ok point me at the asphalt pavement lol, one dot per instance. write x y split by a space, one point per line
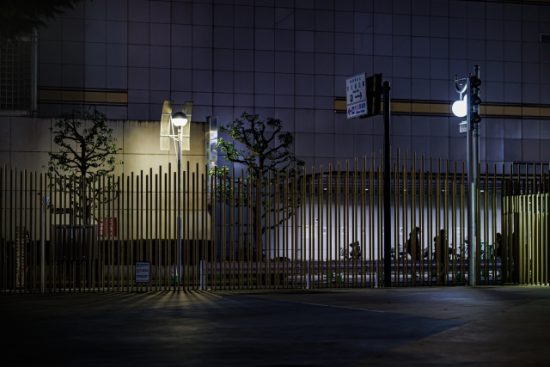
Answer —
432 326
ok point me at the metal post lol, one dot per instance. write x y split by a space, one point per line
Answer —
473 164
44 202
387 186
179 224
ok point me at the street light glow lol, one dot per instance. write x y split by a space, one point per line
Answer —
179 119
460 107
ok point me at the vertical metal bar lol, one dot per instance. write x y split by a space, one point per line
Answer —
20 231
355 238
250 238
217 206
203 242
381 229
483 226
407 219
224 193
157 233
430 234
43 208
210 214
3 229
267 225
546 237
132 230
320 258
400 220
423 245
186 232
231 230
120 233
445 239
330 231
311 243
387 185
537 231
402 166
289 211
439 239
179 274
143 201
304 243
494 225
337 248
277 224
149 226
345 245
372 202
453 225
168 193
33 205
417 247
521 236
257 231
211 260
363 223
196 223
295 220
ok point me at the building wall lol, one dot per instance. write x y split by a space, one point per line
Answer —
26 141
290 59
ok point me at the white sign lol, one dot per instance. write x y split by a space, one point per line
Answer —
356 96
143 272
463 127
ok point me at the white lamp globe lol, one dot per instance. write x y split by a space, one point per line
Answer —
460 107
179 119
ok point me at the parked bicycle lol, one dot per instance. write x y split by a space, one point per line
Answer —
353 253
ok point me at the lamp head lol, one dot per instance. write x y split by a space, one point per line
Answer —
460 107
179 119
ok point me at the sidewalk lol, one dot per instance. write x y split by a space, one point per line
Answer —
489 326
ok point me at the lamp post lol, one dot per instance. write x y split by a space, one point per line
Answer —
179 120
468 106
175 127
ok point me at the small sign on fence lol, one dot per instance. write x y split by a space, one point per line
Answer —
143 272
107 227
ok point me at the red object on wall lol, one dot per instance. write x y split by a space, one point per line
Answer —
108 227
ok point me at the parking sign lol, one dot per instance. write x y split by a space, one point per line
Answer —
356 99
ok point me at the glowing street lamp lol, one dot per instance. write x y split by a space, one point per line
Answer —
460 107
179 119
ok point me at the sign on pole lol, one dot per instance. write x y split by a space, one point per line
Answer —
363 95
356 96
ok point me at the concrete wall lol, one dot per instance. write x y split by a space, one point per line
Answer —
25 143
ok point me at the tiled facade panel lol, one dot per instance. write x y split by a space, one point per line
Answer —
290 59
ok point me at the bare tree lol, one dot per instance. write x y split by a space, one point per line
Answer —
85 155
264 151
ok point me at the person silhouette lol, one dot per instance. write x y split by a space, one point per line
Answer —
498 245
413 244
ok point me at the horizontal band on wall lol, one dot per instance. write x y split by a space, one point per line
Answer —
443 108
80 96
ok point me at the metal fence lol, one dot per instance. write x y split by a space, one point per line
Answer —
311 228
